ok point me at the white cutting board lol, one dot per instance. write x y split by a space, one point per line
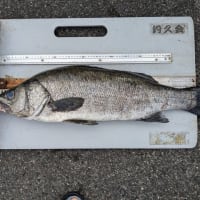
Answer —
124 35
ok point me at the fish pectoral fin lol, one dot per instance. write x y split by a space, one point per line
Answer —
84 122
157 117
67 104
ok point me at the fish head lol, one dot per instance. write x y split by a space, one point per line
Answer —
26 100
13 101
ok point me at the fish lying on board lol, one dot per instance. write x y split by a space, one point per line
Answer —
83 94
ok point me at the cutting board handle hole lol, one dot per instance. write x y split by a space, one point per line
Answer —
80 31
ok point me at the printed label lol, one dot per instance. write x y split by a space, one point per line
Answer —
173 28
168 138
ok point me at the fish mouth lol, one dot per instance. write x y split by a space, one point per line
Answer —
4 107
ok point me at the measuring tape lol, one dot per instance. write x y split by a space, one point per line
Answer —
86 59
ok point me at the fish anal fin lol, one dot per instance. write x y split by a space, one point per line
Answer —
67 104
157 117
84 122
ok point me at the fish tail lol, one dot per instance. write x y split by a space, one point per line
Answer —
196 110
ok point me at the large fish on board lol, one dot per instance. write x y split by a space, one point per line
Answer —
86 95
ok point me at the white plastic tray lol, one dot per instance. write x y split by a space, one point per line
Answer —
125 35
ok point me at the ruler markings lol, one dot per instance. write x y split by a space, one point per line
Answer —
86 58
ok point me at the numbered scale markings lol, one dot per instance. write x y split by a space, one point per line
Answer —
86 58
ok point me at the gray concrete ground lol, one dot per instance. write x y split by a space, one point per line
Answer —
101 174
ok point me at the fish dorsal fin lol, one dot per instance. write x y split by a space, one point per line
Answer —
141 75
146 76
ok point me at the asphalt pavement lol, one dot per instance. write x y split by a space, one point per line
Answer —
101 174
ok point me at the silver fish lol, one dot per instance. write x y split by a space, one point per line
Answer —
86 95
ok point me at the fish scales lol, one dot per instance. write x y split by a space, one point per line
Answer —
99 95
113 95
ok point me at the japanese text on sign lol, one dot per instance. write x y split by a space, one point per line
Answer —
169 28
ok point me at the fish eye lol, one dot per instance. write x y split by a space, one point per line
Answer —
10 94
